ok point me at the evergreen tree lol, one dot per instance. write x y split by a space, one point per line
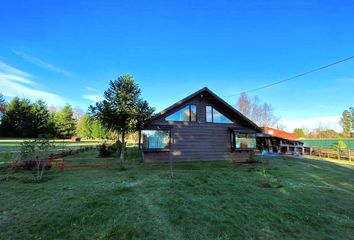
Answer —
17 119
40 116
51 124
64 122
2 106
122 110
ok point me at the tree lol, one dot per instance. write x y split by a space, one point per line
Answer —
346 123
40 116
77 113
2 106
83 127
260 113
17 119
340 147
300 132
98 130
351 117
122 109
64 122
37 150
51 124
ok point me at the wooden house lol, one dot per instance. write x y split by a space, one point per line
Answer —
200 127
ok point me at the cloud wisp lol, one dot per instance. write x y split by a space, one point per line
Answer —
90 89
15 82
93 98
40 63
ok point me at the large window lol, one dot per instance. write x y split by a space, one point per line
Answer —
186 114
155 139
213 115
241 141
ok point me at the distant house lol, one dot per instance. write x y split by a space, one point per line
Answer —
200 127
278 141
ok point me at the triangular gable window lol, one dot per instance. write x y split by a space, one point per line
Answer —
186 114
213 115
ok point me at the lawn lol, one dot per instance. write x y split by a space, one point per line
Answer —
282 198
9 147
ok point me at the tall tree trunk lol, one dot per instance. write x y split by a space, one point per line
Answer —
122 149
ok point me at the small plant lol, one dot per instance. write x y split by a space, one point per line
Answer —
340 147
33 154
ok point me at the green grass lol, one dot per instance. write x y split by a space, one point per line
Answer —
282 198
9 148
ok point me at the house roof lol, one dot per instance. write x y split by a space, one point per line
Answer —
215 97
280 134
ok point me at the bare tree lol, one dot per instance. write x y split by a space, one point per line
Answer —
260 113
77 113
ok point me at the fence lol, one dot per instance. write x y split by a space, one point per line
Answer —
327 143
330 153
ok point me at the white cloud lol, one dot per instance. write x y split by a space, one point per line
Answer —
41 63
93 98
16 78
11 70
14 82
331 122
90 89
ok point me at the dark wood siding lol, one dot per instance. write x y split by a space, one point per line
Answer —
191 141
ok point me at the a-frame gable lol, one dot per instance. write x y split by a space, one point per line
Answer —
214 100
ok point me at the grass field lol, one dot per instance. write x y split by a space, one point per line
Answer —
10 147
282 198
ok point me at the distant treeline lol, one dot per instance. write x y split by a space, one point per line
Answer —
346 122
23 118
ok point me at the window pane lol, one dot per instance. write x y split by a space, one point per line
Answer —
245 141
181 115
220 118
209 114
193 113
155 138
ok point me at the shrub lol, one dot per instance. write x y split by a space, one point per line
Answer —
340 147
33 154
104 151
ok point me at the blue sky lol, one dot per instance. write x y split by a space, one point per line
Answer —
67 51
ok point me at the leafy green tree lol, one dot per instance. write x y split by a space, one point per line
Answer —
83 127
340 147
122 110
346 123
64 122
300 132
40 116
98 130
17 119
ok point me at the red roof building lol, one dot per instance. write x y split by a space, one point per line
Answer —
280 133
